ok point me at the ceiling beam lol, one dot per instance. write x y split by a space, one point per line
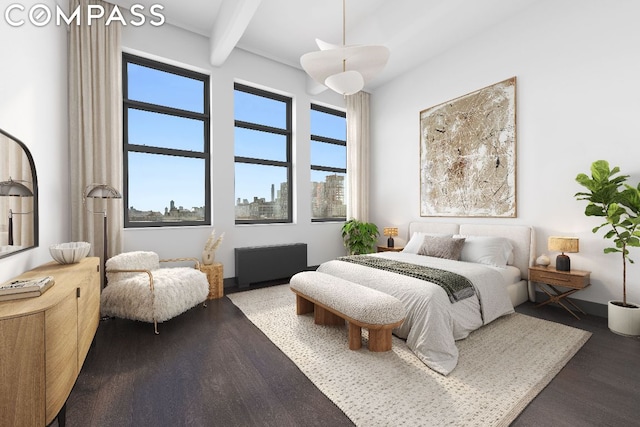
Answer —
232 20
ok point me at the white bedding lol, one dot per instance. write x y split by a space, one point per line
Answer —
433 323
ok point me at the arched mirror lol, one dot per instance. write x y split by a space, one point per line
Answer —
18 197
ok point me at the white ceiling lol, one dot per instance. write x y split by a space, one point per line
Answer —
283 30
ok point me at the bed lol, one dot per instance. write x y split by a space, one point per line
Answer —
435 319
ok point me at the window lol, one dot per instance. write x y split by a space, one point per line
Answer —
166 144
262 156
328 164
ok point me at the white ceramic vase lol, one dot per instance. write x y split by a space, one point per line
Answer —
624 320
543 260
208 257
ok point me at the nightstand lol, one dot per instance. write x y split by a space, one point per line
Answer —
547 278
388 249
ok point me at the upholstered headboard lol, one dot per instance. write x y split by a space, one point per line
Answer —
522 238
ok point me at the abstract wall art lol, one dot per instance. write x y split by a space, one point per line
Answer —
468 154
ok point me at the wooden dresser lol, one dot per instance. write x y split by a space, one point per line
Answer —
44 342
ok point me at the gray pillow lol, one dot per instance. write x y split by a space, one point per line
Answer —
442 247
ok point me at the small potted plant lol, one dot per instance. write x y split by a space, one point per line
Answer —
359 237
611 198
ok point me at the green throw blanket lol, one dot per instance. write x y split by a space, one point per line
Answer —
457 287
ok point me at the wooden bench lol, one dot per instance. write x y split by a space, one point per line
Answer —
334 300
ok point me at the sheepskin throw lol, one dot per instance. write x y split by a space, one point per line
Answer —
128 295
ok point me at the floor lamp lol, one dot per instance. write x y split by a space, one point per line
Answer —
101 191
15 189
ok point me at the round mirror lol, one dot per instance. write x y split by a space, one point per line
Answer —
18 197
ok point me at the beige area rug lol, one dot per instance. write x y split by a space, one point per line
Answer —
501 368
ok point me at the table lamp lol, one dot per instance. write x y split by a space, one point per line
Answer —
391 232
563 244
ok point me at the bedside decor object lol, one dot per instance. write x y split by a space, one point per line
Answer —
69 253
391 232
209 252
359 237
543 260
563 244
618 204
101 191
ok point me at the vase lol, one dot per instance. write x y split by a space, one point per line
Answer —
543 260
208 257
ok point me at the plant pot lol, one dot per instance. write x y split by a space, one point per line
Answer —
624 320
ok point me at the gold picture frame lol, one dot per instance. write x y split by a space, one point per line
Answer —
468 154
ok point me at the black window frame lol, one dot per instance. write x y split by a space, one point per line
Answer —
327 140
287 133
205 117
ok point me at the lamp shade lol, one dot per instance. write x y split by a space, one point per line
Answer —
14 188
563 244
102 191
390 231
326 66
346 83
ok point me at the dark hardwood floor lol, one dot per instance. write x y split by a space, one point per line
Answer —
212 367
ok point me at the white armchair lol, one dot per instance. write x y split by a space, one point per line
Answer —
139 289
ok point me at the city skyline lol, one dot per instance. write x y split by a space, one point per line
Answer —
148 171
175 211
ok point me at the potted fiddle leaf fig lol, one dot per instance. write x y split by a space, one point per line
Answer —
359 237
618 203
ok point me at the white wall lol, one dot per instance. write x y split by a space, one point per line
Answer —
173 45
577 71
577 93
33 108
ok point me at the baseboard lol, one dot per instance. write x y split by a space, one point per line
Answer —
592 308
230 284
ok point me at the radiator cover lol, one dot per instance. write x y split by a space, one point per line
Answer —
262 263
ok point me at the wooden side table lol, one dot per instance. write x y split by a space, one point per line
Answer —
547 278
388 249
215 278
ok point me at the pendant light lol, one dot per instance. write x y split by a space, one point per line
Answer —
344 69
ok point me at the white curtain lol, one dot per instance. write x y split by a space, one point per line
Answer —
95 126
358 156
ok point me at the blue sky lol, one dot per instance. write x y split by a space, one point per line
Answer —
154 180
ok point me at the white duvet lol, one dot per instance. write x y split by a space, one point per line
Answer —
433 323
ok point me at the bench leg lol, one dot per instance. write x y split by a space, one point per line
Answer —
325 317
355 337
379 339
303 306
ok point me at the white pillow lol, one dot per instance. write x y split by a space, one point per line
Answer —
417 239
495 251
